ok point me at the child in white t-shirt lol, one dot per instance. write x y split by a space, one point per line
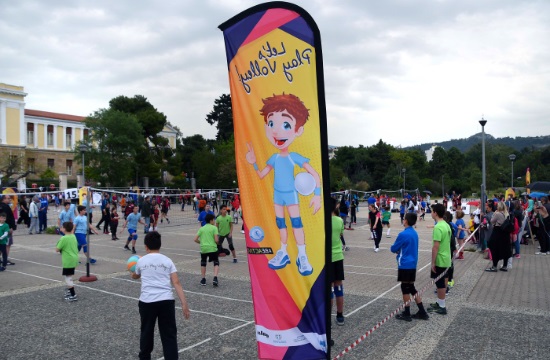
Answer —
158 274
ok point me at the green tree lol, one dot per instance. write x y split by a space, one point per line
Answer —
222 117
151 153
116 138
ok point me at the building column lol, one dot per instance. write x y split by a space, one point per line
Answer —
23 129
64 138
3 122
73 137
34 135
54 136
45 136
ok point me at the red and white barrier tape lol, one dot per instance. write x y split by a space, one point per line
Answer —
401 307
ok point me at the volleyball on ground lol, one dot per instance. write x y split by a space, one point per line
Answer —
131 263
304 183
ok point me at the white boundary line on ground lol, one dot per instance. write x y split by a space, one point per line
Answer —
370 267
360 273
236 328
128 297
190 347
192 292
383 294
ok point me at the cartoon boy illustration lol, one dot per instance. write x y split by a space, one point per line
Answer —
285 116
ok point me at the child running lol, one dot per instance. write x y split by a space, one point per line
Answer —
132 222
68 247
406 248
207 237
224 224
158 275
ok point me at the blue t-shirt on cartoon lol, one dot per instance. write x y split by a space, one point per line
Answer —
283 167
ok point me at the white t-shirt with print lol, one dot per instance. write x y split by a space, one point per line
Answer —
155 270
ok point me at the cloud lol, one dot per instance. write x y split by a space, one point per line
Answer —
403 71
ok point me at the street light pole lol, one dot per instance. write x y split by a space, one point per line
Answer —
87 278
512 158
482 122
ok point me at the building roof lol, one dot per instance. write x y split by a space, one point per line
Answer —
51 115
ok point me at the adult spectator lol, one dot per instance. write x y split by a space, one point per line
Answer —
43 213
33 215
146 211
543 230
499 242
24 212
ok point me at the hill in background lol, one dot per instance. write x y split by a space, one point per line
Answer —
517 143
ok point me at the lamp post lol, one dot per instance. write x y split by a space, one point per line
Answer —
86 278
482 122
404 178
512 158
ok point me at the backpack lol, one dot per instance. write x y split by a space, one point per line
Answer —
508 225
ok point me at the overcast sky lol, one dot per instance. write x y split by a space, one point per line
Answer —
407 72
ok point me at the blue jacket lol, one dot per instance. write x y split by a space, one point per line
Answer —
406 248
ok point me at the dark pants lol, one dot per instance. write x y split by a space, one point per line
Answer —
114 226
377 236
4 255
165 312
542 236
42 220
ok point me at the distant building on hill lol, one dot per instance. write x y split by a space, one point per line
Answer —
430 152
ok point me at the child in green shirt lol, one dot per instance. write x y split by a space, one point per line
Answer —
4 233
68 247
207 237
386 216
225 231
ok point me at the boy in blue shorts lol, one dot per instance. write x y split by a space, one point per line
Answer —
284 117
132 221
81 227
406 248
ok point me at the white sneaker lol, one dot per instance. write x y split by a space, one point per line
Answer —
280 260
242 231
376 249
304 267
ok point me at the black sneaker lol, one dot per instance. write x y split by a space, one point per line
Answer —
435 308
215 281
134 251
71 298
10 263
491 269
503 269
403 316
126 247
420 316
168 221
203 282
340 320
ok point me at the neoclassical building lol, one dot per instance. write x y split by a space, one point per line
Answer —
38 140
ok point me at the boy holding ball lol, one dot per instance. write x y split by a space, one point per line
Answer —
68 247
158 274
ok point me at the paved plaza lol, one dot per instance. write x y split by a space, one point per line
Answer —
490 315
